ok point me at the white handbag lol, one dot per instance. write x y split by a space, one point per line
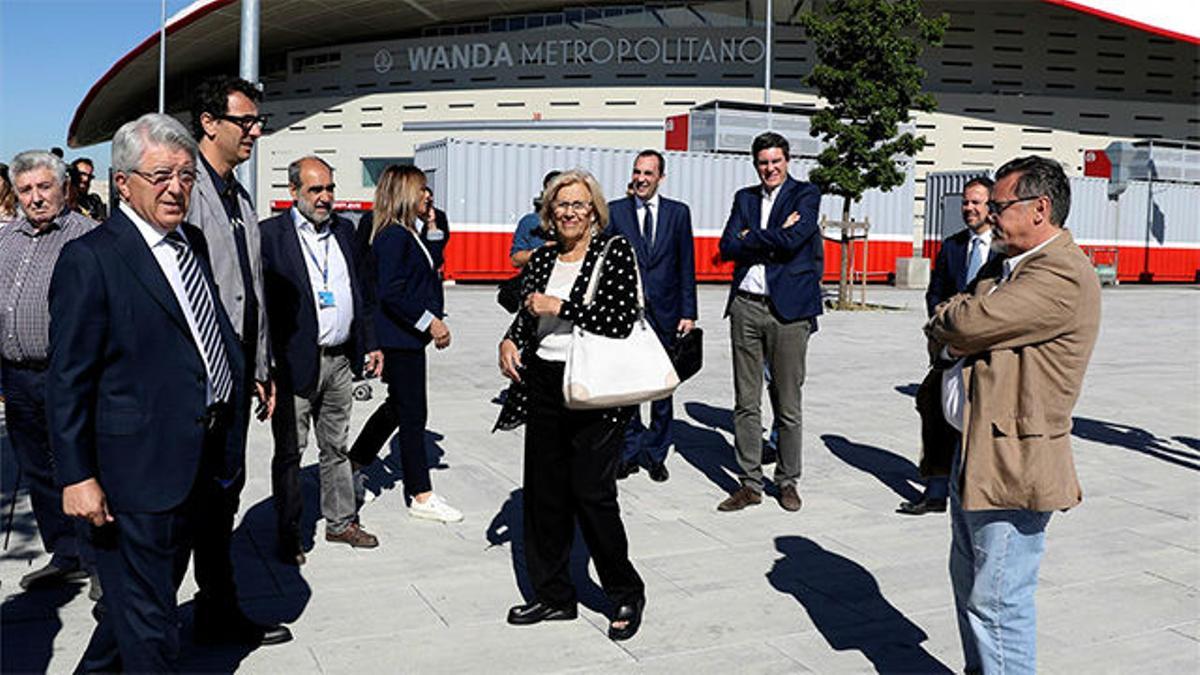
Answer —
604 372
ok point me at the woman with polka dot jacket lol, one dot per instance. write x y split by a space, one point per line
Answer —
571 456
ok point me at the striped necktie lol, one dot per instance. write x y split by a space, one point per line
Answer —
205 316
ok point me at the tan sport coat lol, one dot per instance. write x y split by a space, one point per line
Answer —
1029 341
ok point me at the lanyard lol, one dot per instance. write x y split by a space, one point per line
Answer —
313 256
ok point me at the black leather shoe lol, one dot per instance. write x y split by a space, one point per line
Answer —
659 473
237 629
625 470
53 574
537 612
632 615
922 506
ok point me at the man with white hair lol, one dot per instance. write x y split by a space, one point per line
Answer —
144 373
29 248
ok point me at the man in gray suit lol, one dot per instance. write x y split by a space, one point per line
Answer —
226 123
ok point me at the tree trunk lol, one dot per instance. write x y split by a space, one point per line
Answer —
843 301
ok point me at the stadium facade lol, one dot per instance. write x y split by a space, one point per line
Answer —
364 83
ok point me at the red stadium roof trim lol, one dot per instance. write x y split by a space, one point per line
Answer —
187 16
1132 23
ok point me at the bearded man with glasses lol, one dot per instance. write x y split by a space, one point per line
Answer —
226 124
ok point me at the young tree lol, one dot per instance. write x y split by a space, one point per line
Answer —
867 72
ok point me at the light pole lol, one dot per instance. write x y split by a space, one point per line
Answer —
247 172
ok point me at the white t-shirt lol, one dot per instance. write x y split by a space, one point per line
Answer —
554 334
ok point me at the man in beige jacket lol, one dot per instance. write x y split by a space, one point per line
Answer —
1019 339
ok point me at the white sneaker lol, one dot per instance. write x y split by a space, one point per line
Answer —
435 509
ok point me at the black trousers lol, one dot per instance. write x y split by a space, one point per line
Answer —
141 559
217 594
24 387
406 409
571 474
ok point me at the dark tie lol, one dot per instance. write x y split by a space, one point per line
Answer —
648 226
206 317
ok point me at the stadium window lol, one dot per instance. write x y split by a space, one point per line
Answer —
1093 115
365 85
461 106
979 110
331 126
331 111
1007 66
1006 83
510 104
371 125
679 103
625 102
310 63
297 127
484 78
1060 69
1008 48
372 167
1158 57
1060 34
1036 130
414 106
978 146
1110 71
957 64
1009 31
331 87
1059 85
957 46
1062 52
442 80
1038 113
526 78
681 76
1148 118
631 76
1111 38
372 108
577 76
1159 92
1110 55
1110 90
978 128
1037 148
1093 132
563 104
1159 76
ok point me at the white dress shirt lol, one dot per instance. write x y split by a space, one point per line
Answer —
953 387
755 280
168 262
640 208
327 271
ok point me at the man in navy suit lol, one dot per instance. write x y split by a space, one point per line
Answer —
660 230
144 372
962 256
775 243
320 325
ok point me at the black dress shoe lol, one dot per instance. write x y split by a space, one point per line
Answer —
632 616
536 612
236 628
625 470
922 506
659 473
53 574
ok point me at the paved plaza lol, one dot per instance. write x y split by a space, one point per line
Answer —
845 585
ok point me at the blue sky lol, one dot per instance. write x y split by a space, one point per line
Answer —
51 53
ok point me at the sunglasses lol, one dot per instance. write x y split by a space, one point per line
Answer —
996 208
245 122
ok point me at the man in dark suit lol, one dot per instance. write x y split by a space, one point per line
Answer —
320 325
962 256
144 368
660 230
776 245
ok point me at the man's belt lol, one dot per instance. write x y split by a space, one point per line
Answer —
336 350
755 297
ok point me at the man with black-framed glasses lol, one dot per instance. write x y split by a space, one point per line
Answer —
226 124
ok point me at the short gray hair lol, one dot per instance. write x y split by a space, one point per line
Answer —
1041 177
37 159
131 140
294 168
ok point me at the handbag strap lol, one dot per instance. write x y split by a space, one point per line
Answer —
594 282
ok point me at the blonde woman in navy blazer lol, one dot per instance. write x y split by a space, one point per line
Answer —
408 316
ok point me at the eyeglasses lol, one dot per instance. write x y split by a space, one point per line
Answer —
577 207
245 122
161 177
996 208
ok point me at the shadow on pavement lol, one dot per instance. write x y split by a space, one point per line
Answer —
383 474
1138 440
29 622
507 527
845 604
894 471
706 450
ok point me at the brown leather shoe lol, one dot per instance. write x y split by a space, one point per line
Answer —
739 500
353 535
789 499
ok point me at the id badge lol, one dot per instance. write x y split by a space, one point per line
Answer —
325 298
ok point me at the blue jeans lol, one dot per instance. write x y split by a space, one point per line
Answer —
994 559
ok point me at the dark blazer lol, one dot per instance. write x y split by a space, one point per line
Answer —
290 310
437 249
668 267
612 312
949 276
406 287
126 386
794 257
